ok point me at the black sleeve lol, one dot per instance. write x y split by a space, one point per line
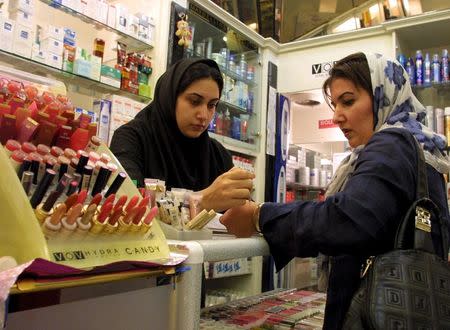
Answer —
126 145
361 219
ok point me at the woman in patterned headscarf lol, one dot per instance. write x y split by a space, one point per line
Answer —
372 189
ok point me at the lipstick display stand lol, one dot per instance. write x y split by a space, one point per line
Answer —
23 239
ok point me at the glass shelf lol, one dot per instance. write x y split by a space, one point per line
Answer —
132 43
235 145
438 86
42 69
235 109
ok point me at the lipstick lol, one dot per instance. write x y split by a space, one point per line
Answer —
120 203
110 199
115 186
126 220
86 178
16 159
73 186
136 224
27 181
63 165
28 147
56 151
114 217
82 161
93 144
84 222
70 153
52 224
69 222
101 180
131 204
25 166
70 201
96 199
146 224
42 149
98 221
45 209
81 197
36 160
11 145
42 188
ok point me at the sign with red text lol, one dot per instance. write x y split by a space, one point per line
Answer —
326 123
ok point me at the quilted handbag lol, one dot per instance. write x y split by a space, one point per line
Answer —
408 287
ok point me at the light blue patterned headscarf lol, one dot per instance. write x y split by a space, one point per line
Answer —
394 105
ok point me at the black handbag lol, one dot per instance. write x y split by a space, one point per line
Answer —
408 287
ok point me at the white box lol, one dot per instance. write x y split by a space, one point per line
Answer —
23 40
103 109
96 66
110 81
102 12
38 55
133 25
23 5
54 60
23 17
6 34
122 19
50 31
52 45
112 12
91 8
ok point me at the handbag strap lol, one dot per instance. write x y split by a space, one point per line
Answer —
417 221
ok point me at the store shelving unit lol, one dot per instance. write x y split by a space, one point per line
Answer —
133 43
69 78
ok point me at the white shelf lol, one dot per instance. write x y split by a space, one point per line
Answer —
235 145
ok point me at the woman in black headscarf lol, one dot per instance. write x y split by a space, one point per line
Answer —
168 140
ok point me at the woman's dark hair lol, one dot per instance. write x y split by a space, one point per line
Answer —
199 71
353 67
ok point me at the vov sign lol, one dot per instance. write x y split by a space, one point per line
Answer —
322 69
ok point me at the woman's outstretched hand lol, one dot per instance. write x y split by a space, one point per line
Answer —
239 220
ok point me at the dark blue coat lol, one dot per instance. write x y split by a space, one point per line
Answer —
358 222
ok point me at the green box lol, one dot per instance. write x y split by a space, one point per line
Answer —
145 90
111 72
143 78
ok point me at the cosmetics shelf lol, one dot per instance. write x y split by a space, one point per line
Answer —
234 109
236 145
297 186
133 44
77 81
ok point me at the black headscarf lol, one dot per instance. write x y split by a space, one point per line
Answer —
152 146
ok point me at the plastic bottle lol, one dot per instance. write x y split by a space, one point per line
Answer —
427 70
436 69
226 123
419 68
411 71
430 117
444 66
402 60
243 66
219 122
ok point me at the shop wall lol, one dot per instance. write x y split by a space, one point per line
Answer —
306 69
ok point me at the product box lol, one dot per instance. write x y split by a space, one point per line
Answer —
26 6
102 12
91 8
133 26
23 40
103 109
51 31
38 55
112 13
52 45
6 34
96 64
110 76
122 20
68 58
144 90
23 17
54 60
